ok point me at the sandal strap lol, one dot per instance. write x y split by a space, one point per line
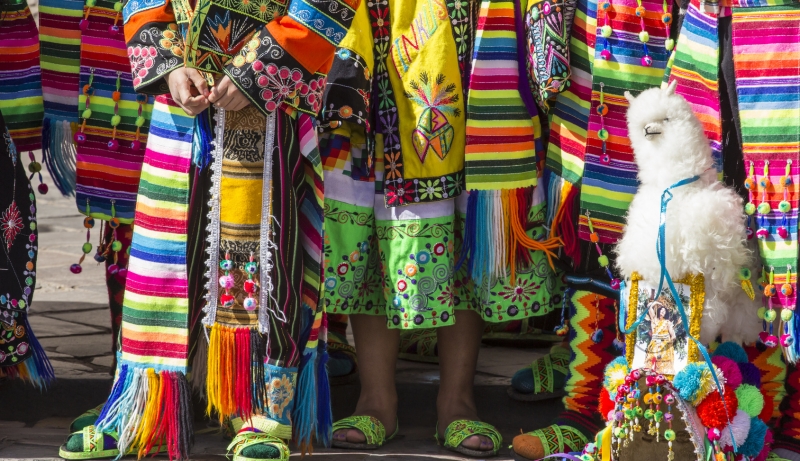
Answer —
558 439
370 426
246 439
94 440
459 430
543 368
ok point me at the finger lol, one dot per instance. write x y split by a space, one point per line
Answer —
242 102
218 91
197 104
184 95
198 81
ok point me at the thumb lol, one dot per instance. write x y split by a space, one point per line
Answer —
198 81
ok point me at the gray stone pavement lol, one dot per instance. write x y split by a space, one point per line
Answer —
71 318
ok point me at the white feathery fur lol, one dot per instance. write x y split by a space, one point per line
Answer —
705 223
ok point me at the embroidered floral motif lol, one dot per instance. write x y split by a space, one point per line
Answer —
142 60
280 391
11 224
171 40
270 76
433 134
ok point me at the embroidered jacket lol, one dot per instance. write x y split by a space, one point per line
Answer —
276 51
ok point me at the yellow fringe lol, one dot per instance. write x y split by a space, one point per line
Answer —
221 369
149 421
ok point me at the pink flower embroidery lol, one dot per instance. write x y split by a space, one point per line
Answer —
11 223
142 60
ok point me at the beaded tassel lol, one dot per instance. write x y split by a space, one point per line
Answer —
88 91
785 207
114 28
594 238
88 223
36 168
750 207
763 208
115 245
644 36
669 434
142 100
767 312
666 18
602 133
787 340
250 286
226 281
113 144
84 24
606 30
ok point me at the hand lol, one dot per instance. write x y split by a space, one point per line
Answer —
227 96
189 89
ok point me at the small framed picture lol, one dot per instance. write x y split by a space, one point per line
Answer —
661 343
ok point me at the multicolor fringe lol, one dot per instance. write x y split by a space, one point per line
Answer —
109 161
60 38
766 54
36 369
150 401
609 180
20 76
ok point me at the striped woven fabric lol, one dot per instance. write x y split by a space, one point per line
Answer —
773 373
570 115
156 307
20 76
695 66
107 178
500 150
60 39
766 53
609 179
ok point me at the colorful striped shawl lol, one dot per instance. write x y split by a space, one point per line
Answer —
501 129
609 180
20 76
155 319
60 39
695 66
766 53
107 179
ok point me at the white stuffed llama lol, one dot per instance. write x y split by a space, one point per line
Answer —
705 231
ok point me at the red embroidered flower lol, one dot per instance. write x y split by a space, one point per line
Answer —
11 223
400 194
380 21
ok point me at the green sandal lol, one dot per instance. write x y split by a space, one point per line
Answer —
252 439
370 426
94 445
544 379
461 429
554 439
87 418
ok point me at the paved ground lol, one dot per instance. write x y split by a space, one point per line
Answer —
71 318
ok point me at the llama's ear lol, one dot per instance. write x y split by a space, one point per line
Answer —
628 96
671 87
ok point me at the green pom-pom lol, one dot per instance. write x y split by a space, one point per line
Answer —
764 208
115 120
669 435
760 312
118 7
535 14
35 167
784 206
140 121
669 44
749 208
786 315
87 113
605 31
644 37
603 134
751 401
745 274
91 3
87 247
116 245
770 315
603 260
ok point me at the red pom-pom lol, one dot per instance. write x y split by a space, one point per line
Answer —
769 404
606 404
712 410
